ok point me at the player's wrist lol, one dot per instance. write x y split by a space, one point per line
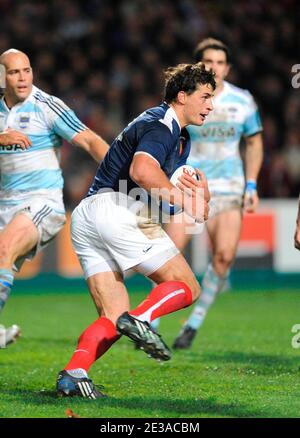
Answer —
251 185
177 197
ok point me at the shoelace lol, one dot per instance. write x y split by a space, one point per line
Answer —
151 329
96 386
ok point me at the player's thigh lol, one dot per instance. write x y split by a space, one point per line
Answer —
130 238
177 269
224 231
17 238
88 244
109 294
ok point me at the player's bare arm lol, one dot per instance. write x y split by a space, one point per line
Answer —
92 143
146 172
10 137
253 162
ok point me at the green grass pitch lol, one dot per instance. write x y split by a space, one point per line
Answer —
242 363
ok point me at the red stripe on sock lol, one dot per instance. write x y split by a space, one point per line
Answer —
173 303
95 341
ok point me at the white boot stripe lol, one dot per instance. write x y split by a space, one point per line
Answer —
88 389
86 393
81 389
140 327
84 389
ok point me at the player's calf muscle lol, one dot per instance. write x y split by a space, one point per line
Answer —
4 253
195 288
177 269
11 249
186 277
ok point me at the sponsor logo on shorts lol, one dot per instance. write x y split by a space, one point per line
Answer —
26 209
145 250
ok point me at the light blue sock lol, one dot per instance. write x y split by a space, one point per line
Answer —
6 282
155 323
211 286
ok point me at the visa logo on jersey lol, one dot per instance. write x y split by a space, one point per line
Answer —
218 132
11 148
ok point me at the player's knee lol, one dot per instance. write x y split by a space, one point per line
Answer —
222 261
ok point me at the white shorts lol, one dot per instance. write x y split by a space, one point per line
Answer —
109 234
221 203
217 204
48 215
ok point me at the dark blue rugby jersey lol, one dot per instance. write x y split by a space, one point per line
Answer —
155 132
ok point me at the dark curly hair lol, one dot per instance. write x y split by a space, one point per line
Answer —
186 77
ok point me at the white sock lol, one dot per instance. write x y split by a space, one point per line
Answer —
211 285
77 373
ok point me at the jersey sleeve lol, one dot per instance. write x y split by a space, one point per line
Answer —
157 141
62 120
252 124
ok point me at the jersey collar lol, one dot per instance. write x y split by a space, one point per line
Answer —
173 114
223 92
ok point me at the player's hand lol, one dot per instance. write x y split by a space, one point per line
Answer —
10 137
297 237
191 185
250 200
196 197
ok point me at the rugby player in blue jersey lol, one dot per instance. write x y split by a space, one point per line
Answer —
215 150
32 126
113 232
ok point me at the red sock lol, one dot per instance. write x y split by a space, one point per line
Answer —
165 298
93 343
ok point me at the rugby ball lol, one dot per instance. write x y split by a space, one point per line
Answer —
186 169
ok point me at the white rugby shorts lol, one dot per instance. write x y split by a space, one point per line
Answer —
221 203
47 213
109 233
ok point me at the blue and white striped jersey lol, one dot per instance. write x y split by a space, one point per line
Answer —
215 145
46 120
155 132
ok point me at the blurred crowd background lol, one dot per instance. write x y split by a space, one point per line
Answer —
105 59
